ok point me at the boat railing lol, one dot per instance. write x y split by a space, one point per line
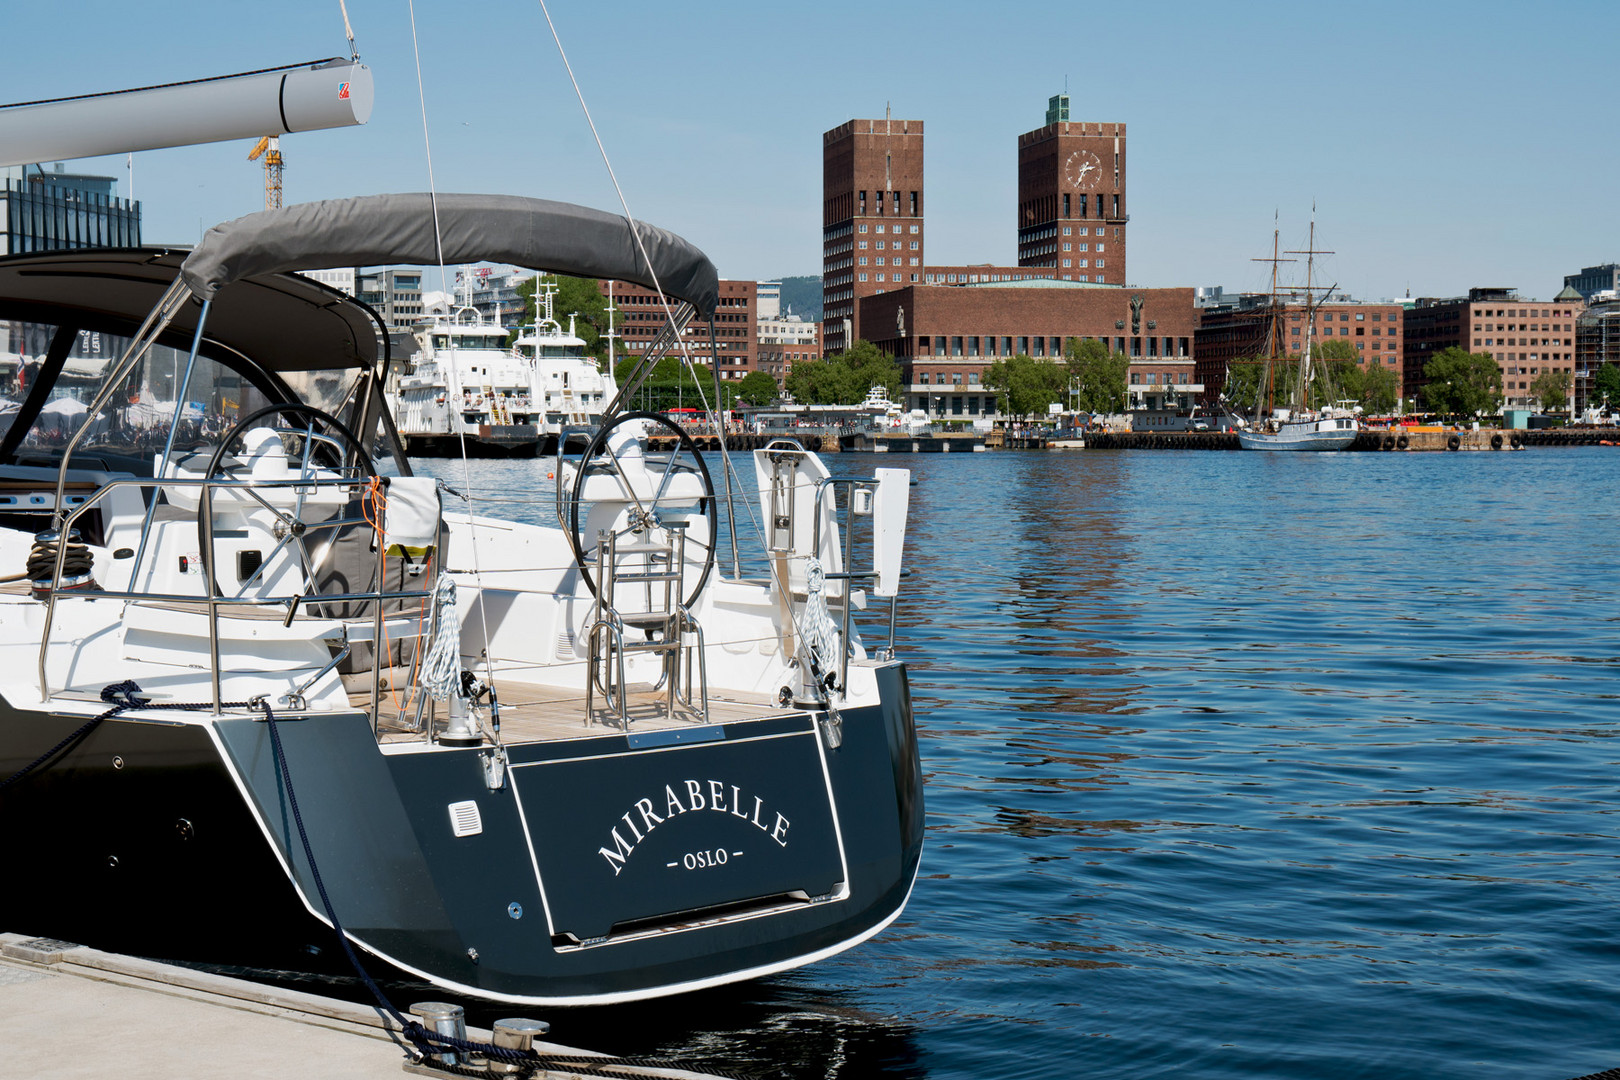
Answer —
858 493
218 605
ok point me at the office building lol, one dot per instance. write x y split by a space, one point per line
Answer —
1525 337
1238 330
1595 279
872 219
56 210
732 349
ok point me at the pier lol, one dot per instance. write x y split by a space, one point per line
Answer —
79 1012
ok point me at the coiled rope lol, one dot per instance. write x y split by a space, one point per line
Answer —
441 669
820 633
77 564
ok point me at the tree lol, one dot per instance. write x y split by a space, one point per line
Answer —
844 378
1461 383
670 385
1380 390
576 296
1026 386
1100 375
757 389
1552 388
1606 386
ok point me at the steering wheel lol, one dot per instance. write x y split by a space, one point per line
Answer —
323 442
645 514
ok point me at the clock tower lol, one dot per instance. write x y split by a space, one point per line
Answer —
1071 198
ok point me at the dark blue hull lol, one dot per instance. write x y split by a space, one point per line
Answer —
602 869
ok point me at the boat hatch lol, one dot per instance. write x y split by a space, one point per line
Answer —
658 836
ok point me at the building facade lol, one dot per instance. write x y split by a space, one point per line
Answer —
732 351
1595 279
1597 342
944 337
1072 211
784 340
395 294
1525 337
56 210
872 219
1239 331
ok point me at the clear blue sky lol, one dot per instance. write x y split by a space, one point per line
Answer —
1444 144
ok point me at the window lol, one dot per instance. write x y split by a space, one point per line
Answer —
862 276
1360 317
956 346
1068 262
1068 230
922 378
1023 346
1068 247
863 228
880 230
956 378
1099 264
862 261
972 350
973 378
1083 262
939 346
914 243
914 228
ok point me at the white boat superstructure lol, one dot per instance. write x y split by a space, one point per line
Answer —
568 387
465 385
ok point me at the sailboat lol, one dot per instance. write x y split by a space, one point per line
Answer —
1298 426
268 693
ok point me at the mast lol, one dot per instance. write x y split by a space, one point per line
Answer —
1312 305
1263 390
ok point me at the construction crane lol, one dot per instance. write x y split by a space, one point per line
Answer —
270 148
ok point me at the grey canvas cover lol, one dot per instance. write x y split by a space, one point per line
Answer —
380 230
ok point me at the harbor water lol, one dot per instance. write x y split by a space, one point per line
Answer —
1238 765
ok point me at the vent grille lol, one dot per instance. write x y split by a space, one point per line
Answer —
465 819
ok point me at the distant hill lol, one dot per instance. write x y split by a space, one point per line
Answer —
802 297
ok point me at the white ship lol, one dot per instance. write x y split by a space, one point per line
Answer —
569 388
465 388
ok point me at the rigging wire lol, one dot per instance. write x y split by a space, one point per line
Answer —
348 30
669 315
455 367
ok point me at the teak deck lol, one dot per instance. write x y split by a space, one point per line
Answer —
532 713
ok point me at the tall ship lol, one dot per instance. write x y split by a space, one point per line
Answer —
569 388
1297 426
269 693
465 392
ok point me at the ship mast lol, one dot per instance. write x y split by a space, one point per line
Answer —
1274 347
1303 384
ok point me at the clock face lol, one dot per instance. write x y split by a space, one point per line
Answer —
1083 170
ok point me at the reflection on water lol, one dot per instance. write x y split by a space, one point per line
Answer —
1238 765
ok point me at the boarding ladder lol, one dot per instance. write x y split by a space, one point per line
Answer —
639 588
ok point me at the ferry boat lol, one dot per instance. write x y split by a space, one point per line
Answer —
264 686
569 388
465 392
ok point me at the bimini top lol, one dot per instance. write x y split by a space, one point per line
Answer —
381 230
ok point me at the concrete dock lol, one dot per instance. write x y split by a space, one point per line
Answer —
77 1013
